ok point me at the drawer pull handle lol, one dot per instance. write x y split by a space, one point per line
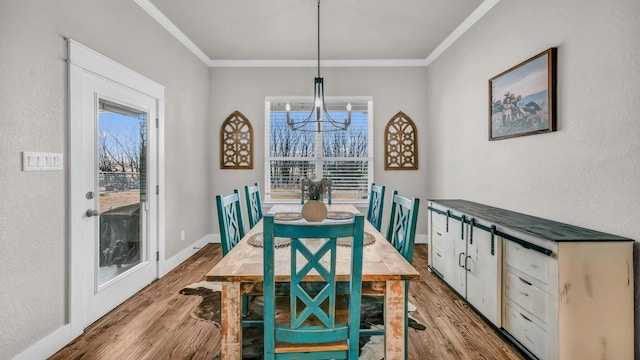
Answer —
460 260
439 234
526 318
531 341
524 293
439 255
524 281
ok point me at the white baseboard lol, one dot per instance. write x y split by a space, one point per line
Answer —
48 345
421 239
182 256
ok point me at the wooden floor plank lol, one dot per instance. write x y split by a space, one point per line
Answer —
156 323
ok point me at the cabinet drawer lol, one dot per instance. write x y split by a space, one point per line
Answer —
439 261
438 249
524 327
528 261
438 221
528 296
438 239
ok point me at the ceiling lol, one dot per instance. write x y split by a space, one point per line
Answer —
284 32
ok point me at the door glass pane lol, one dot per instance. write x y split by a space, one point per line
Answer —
121 169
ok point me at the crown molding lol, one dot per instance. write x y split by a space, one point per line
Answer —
465 25
164 21
468 22
323 63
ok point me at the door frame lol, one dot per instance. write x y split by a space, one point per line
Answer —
83 60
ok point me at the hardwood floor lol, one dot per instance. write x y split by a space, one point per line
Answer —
156 322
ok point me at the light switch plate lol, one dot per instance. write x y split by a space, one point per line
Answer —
39 161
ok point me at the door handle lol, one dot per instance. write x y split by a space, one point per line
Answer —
460 260
465 263
92 212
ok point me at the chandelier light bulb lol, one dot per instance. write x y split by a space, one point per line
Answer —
287 107
318 102
349 106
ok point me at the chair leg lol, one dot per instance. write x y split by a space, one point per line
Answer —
245 305
406 320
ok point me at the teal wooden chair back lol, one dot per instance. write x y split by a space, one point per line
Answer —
304 185
402 224
376 203
314 326
230 220
254 204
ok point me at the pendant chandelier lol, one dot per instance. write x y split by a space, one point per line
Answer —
319 116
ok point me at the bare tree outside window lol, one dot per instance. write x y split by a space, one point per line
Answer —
122 144
341 156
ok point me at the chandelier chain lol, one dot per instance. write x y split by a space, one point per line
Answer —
322 121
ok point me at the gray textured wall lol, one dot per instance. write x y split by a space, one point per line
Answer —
33 117
586 173
392 89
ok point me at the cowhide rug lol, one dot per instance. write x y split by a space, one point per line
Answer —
371 347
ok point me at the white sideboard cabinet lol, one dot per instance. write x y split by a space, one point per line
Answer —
556 290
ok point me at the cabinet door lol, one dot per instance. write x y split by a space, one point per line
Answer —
457 245
482 273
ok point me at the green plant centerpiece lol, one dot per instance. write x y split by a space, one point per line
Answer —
314 210
316 189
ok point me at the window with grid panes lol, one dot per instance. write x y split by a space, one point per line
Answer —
344 157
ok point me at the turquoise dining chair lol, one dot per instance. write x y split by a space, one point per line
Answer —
402 224
315 321
401 233
230 220
376 204
231 228
254 204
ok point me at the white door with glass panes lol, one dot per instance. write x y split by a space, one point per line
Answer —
114 175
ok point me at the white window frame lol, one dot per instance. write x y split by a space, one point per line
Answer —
318 157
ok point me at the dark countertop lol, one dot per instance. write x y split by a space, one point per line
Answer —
539 227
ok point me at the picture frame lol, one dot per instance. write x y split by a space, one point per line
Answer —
522 99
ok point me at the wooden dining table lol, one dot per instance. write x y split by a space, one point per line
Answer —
385 272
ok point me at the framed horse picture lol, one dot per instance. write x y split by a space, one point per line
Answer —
522 100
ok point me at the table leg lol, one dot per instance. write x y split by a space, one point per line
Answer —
394 321
231 321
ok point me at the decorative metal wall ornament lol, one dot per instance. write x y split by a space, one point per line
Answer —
400 143
236 142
